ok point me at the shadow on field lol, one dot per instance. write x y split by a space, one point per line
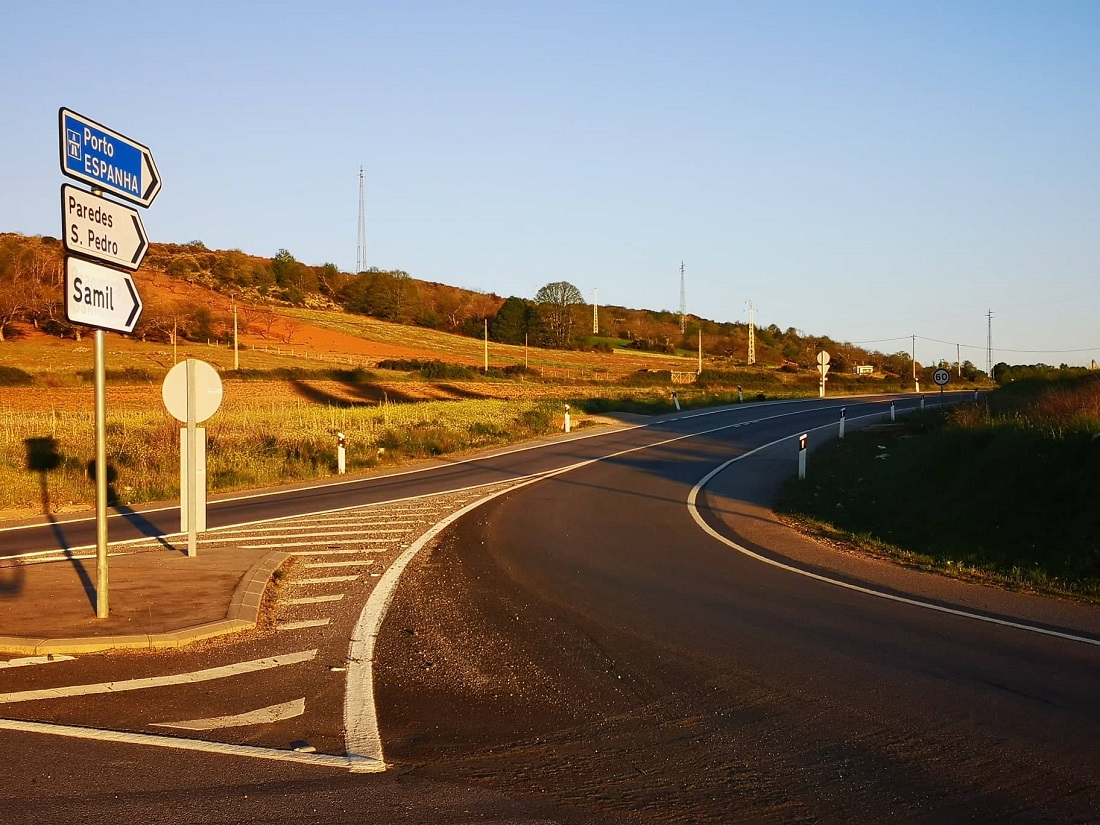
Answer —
357 395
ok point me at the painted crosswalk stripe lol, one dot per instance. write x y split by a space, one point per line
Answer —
302 625
334 597
326 580
207 675
260 716
322 564
361 551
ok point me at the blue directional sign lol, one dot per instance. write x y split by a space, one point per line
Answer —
107 160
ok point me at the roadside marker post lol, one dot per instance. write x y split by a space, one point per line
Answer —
97 231
893 414
922 403
802 439
676 401
341 454
843 410
567 418
740 396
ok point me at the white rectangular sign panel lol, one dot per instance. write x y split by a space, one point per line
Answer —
99 296
102 229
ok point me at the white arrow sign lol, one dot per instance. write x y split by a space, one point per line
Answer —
102 229
101 297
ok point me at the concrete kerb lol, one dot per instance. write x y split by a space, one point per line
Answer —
243 614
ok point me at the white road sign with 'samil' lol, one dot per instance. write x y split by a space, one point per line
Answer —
101 297
102 229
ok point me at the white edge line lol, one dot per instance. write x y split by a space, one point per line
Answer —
965 614
355 764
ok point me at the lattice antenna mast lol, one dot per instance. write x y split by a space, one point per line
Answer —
683 301
595 313
752 336
361 247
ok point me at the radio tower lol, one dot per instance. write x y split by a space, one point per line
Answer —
752 337
361 248
683 301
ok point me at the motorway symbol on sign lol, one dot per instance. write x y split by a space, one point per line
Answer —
98 296
102 157
102 229
941 377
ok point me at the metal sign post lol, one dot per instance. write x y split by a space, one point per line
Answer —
98 230
192 392
823 368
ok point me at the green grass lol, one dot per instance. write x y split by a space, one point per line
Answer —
982 491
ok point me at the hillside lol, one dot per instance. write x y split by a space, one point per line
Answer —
188 291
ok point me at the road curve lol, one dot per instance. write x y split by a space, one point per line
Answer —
582 640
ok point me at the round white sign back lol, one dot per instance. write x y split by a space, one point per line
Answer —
207 387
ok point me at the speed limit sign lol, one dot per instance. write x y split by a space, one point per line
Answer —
941 377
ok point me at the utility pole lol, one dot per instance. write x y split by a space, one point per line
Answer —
236 355
989 345
700 370
683 301
486 344
958 360
595 313
752 336
916 383
361 247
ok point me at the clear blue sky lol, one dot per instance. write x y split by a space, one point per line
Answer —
865 170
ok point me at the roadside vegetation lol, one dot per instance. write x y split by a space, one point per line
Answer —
1004 489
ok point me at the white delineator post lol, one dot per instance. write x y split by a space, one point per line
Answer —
676 401
893 414
922 403
566 418
802 439
341 454
842 412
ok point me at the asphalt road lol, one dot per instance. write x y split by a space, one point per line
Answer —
580 650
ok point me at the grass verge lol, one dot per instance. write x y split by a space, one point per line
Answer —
969 493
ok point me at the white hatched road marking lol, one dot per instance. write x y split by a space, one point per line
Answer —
358 552
160 681
27 661
277 545
335 597
325 580
302 625
324 534
322 564
260 716
355 764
